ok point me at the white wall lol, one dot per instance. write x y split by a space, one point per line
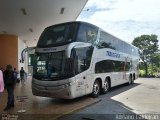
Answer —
21 46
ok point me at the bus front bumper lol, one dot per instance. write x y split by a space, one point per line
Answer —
60 91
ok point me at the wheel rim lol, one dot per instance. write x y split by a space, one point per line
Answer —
106 86
96 88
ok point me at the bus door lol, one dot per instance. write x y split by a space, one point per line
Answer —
80 69
82 57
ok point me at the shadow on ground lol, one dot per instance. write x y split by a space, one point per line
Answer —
107 109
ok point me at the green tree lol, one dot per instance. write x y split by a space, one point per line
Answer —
148 46
155 62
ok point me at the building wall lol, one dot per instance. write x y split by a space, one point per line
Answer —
21 46
8 50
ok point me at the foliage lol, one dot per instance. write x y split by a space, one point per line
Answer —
148 46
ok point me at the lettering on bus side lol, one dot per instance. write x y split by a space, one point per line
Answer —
112 54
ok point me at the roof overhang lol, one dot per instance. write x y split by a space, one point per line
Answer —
28 18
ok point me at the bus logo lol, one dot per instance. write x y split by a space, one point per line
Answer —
112 54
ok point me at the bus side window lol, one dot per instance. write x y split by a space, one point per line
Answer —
87 33
104 66
91 36
82 36
82 58
105 41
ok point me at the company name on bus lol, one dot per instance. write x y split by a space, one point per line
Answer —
112 54
49 49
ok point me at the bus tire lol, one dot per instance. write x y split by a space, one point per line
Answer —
130 80
96 89
134 77
106 87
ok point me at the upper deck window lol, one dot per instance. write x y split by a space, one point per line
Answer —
87 33
57 35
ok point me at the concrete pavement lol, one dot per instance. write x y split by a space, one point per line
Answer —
144 98
42 107
122 102
138 101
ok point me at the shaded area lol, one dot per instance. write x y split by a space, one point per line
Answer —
107 109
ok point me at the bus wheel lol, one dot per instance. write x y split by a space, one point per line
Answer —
96 89
106 87
133 78
130 80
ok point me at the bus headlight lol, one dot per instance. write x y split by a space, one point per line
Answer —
67 85
70 84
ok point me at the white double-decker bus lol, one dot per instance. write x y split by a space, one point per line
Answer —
76 58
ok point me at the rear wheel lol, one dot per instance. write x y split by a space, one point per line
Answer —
96 89
106 87
130 80
133 78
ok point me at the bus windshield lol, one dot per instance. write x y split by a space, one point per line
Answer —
52 66
57 35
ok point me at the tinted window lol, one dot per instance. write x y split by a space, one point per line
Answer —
106 41
128 66
104 66
82 57
135 51
57 35
119 66
87 33
120 46
111 66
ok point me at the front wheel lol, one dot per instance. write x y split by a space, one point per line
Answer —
96 89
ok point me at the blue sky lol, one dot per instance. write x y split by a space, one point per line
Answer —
125 19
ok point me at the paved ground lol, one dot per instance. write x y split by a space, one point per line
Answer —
142 98
43 107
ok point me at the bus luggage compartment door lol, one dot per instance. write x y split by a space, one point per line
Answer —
80 84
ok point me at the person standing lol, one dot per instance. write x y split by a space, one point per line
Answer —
1 84
22 76
9 81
